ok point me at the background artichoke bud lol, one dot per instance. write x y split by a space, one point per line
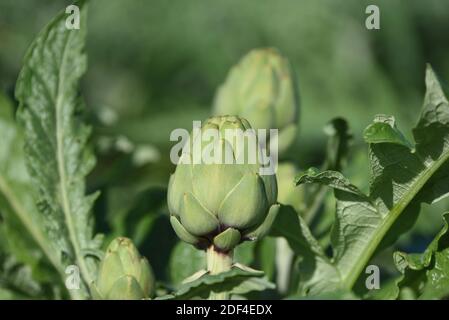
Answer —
123 274
221 204
262 88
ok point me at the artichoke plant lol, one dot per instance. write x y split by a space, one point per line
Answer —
217 206
262 88
123 274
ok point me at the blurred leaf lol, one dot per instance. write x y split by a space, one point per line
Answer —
286 272
133 213
155 128
316 272
400 181
288 193
17 281
251 285
22 229
56 138
266 256
427 274
338 141
387 291
333 295
158 245
185 260
244 253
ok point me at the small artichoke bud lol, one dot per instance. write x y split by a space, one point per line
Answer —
225 202
262 88
123 274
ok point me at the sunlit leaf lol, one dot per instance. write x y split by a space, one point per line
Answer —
56 137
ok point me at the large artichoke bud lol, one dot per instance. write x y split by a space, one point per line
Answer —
123 274
226 203
262 89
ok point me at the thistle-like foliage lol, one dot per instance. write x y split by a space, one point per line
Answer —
426 275
404 174
57 157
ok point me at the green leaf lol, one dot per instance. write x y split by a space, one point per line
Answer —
402 177
22 229
333 295
57 157
266 256
18 282
133 213
426 275
314 266
185 260
384 130
244 252
239 280
387 291
8 294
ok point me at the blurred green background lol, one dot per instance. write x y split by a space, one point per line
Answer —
155 66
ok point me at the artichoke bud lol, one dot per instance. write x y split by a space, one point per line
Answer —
123 274
220 202
262 88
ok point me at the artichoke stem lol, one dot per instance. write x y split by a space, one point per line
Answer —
218 262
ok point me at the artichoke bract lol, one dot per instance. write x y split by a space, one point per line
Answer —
262 88
123 274
221 204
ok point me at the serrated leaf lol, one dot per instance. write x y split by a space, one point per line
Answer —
57 157
238 280
333 179
426 275
314 265
402 177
